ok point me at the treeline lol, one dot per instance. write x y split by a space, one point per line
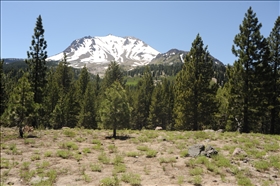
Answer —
248 101
164 70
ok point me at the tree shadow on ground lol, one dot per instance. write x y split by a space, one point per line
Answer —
126 137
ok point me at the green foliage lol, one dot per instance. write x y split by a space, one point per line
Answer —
95 167
114 109
65 154
21 106
110 181
132 179
195 102
249 78
142 101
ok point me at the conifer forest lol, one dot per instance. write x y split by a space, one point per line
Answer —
194 95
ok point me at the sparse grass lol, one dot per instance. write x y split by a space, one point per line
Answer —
262 165
69 145
112 148
132 179
29 141
86 150
65 154
97 147
95 167
69 133
35 157
143 148
113 160
180 180
103 158
48 154
110 181
118 159
167 160
132 154
196 171
151 153
96 141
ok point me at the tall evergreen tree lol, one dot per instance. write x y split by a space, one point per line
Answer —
21 105
274 46
2 88
251 49
161 106
37 63
142 100
112 74
52 93
195 103
87 112
83 81
114 109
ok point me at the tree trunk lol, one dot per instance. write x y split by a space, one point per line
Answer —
114 133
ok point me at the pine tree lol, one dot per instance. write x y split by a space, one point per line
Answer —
21 105
64 75
2 88
37 63
195 103
250 47
142 100
114 109
83 81
87 113
156 115
274 45
161 106
52 93
112 74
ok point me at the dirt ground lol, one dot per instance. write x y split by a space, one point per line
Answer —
158 158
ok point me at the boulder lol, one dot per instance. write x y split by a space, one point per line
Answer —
200 149
195 150
158 128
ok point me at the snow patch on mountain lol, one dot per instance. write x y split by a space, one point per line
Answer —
107 48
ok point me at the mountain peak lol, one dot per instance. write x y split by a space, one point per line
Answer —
103 49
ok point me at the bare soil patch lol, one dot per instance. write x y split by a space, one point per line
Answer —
91 157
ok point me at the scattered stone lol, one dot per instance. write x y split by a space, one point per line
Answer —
221 130
195 150
158 128
238 151
10 183
200 149
274 176
38 179
209 151
208 130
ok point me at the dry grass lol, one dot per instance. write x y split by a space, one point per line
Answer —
88 157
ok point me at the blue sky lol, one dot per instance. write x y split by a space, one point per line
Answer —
161 24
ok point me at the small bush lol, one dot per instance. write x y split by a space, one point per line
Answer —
103 158
109 181
151 153
69 145
48 154
196 171
86 150
132 154
143 148
65 154
69 133
95 168
133 179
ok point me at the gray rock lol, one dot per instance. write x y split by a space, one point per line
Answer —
238 151
195 150
199 149
221 130
158 128
208 130
210 151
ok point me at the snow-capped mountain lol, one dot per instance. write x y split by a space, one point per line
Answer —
99 50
